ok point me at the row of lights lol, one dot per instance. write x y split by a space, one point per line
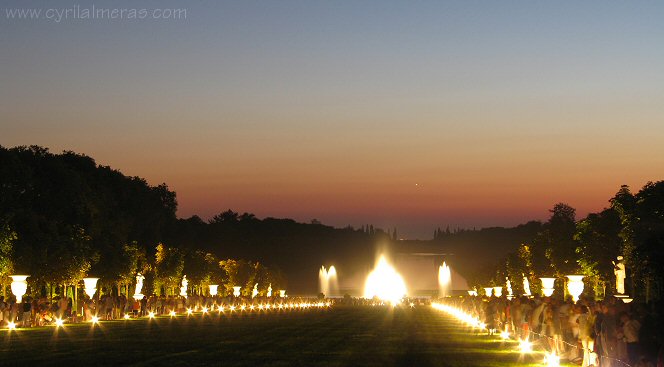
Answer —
221 309
525 346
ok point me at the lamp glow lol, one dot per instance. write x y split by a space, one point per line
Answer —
11 325
282 293
189 311
214 289
505 335
94 320
126 316
575 286
59 322
236 291
19 286
488 291
151 315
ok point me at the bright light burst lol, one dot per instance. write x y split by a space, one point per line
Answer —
126 316
189 311
151 315
59 322
172 313
385 283
11 325
525 346
551 360
505 335
94 320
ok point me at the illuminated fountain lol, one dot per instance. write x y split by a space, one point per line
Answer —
385 283
327 279
444 280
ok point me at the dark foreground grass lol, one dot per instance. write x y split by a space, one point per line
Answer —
341 336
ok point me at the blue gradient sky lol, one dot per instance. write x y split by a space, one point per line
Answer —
336 109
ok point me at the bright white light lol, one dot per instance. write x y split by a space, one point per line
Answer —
551 360
189 311
525 346
59 322
444 280
90 285
94 320
243 307
205 309
172 313
498 291
232 308
547 286
151 315
221 309
126 316
11 325
19 286
236 291
488 291
575 286
214 289
505 335
385 283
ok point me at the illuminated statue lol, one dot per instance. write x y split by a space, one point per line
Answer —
139 283
269 290
619 271
254 292
183 289
509 287
526 286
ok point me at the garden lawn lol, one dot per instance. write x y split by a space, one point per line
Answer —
339 336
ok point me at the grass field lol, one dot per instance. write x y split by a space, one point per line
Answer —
340 336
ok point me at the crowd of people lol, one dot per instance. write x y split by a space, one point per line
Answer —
606 333
33 312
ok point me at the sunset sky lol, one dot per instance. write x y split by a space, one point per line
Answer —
398 114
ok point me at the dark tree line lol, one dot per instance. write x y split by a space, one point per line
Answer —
63 217
632 227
